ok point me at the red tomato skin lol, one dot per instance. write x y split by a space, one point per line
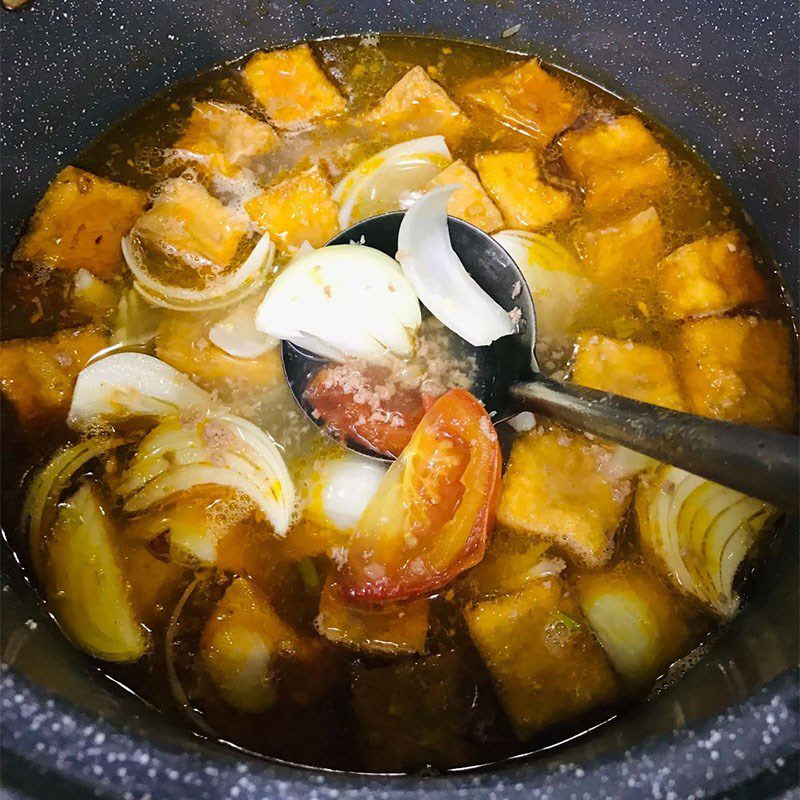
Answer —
386 588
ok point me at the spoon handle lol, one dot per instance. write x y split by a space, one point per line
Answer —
760 463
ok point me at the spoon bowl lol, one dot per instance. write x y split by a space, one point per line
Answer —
493 270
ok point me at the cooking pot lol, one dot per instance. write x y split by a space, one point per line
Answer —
724 77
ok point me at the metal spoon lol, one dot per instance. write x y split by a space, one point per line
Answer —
760 463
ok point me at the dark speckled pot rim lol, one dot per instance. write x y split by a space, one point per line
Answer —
747 745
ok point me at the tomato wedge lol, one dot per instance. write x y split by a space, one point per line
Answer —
366 413
433 513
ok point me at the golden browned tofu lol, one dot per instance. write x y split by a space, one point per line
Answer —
393 628
618 163
80 222
309 538
417 106
514 181
239 646
710 276
291 87
542 657
299 209
527 98
470 202
510 563
636 618
623 254
37 375
223 138
556 488
739 369
633 370
188 222
182 341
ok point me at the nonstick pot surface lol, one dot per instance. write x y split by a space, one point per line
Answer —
722 76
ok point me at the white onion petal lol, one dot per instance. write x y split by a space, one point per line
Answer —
344 300
229 289
701 531
238 336
439 278
379 183
553 277
222 450
128 385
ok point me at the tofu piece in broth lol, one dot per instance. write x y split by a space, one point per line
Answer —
624 254
298 209
222 138
619 164
711 275
740 369
80 222
470 202
189 224
514 181
292 88
542 657
38 375
558 488
417 106
634 370
527 98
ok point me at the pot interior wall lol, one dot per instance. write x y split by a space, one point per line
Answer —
720 78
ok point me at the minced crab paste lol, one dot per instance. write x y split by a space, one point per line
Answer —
226 558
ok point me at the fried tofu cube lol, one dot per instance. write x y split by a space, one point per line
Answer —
239 646
187 221
412 712
470 202
510 563
224 138
529 99
633 370
417 106
557 488
636 619
80 222
393 628
299 209
621 255
514 181
291 87
182 341
618 163
542 657
710 276
739 369
38 375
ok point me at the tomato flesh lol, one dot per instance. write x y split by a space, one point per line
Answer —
384 425
433 513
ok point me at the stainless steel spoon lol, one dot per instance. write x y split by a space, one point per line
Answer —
760 463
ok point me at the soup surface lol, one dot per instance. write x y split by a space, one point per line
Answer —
189 527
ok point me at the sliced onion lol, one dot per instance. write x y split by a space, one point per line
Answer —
553 276
129 385
345 300
701 532
342 488
41 501
238 336
439 278
136 321
224 291
222 450
378 184
85 583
